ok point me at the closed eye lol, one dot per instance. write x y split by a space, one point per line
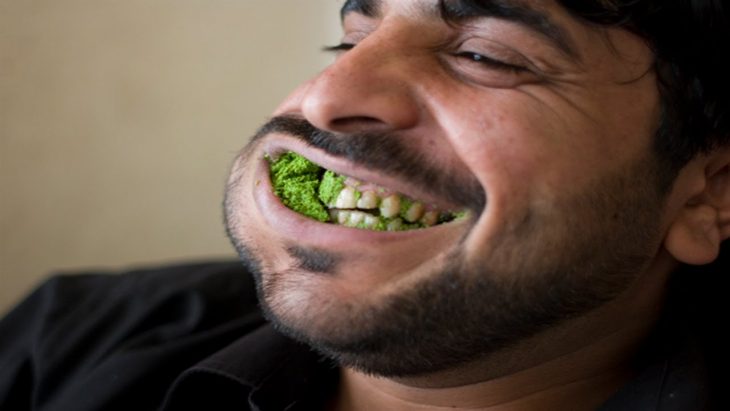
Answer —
490 62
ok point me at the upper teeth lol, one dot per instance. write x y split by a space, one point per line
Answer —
390 206
347 198
368 201
414 212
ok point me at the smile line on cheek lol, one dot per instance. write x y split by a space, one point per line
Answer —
323 195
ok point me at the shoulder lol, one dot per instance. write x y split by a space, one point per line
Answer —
70 295
139 328
209 292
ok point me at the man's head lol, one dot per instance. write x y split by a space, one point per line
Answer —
555 126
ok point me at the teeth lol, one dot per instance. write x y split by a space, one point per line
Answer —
414 213
370 221
343 217
340 216
347 198
430 218
337 197
356 217
390 206
395 225
368 201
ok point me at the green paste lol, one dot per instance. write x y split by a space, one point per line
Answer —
330 187
296 183
405 205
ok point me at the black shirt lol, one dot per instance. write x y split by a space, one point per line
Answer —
191 337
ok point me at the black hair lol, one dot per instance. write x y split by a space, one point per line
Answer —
690 40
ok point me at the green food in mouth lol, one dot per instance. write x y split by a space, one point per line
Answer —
330 186
326 196
296 181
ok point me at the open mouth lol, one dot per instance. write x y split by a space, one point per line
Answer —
328 197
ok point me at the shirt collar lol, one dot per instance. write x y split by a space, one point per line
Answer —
267 370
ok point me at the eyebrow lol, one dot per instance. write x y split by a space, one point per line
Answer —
368 8
464 11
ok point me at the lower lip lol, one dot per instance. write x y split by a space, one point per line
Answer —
317 234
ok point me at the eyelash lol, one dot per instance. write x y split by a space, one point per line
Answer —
490 62
469 55
339 47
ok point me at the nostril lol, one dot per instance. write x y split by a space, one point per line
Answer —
356 122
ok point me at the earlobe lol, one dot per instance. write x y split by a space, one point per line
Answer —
694 236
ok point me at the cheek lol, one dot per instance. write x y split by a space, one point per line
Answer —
507 145
518 141
525 154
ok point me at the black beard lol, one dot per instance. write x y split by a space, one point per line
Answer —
553 265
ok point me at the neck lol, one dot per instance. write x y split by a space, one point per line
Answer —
575 366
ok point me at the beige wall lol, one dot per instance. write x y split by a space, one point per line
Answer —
118 120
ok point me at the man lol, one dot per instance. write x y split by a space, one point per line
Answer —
543 175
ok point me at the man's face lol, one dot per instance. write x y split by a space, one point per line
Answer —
538 125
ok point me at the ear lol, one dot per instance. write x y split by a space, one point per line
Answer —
703 221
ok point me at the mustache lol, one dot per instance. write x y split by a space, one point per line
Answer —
386 153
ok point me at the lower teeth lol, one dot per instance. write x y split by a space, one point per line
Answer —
309 189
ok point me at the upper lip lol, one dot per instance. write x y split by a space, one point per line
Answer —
276 146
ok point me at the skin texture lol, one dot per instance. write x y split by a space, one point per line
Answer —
539 299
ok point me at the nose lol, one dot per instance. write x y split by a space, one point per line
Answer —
365 89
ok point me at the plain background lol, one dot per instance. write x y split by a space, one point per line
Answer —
119 120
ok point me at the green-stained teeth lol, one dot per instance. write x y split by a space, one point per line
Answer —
429 218
323 195
414 212
390 206
368 201
347 198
